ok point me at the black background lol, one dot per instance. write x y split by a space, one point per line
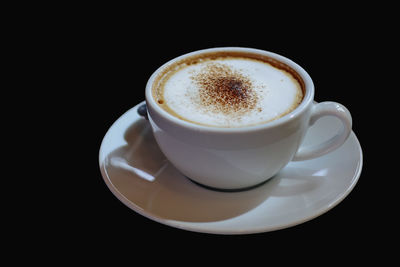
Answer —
125 60
106 61
124 66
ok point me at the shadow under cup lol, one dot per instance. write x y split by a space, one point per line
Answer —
230 159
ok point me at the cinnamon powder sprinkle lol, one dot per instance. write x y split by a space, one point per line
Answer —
222 89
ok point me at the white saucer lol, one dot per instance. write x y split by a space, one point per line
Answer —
138 174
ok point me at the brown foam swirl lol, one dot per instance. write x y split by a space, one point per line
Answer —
224 90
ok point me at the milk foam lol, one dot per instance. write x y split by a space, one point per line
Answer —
274 93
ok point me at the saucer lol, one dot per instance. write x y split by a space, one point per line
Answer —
139 175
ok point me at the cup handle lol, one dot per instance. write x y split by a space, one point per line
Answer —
327 109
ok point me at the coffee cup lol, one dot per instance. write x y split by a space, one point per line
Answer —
231 118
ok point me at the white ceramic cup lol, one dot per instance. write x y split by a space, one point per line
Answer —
241 158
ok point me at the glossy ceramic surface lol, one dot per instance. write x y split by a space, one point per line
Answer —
242 157
138 174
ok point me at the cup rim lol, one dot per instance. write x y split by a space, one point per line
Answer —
308 97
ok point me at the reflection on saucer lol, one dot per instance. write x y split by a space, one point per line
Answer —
138 174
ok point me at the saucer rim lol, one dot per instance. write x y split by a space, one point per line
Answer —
186 225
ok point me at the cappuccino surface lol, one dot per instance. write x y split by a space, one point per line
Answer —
228 91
